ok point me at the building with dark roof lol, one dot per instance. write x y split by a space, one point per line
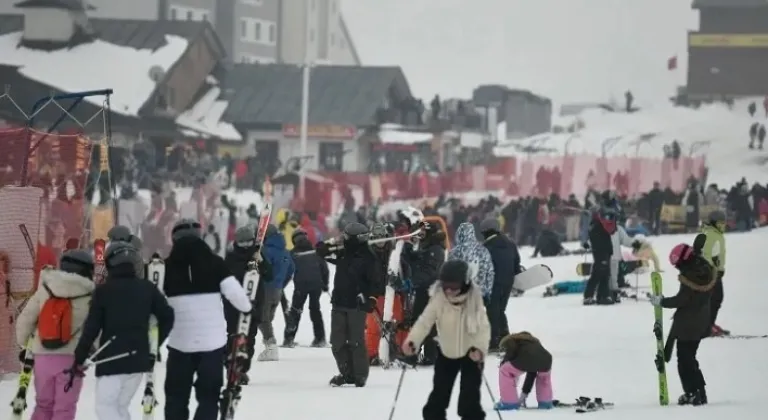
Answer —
728 55
525 113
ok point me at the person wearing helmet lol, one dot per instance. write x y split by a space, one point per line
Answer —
691 320
351 299
121 234
310 281
601 227
243 249
714 253
120 310
196 280
73 282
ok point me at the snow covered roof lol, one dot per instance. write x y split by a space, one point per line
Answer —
205 117
95 65
396 134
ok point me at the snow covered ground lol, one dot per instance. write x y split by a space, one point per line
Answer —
599 351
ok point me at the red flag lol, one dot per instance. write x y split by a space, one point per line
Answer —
672 63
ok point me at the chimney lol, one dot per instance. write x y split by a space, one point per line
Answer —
54 22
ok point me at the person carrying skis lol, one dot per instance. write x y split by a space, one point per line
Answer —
714 252
456 309
351 299
381 252
120 311
524 353
601 227
426 259
270 289
237 258
506 265
477 257
195 281
63 292
310 281
691 321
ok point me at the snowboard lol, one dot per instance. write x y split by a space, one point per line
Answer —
535 276
658 331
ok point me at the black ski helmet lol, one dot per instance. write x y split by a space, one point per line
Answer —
119 233
77 261
456 274
356 233
245 236
716 218
186 227
297 233
121 254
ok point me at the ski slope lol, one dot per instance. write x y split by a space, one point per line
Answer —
598 351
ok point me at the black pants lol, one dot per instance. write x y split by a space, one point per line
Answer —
470 383
598 280
497 312
293 317
420 301
181 369
348 342
716 300
688 367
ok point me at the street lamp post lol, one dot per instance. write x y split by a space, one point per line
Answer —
305 96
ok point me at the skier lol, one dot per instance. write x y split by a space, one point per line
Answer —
310 281
237 258
270 289
120 310
601 227
524 353
351 298
456 309
506 265
195 281
66 291
714 253
691 321
381 252
469 250
426 261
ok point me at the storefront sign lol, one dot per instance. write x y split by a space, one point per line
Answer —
728 40
321 131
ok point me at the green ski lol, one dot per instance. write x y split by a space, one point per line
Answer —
658 331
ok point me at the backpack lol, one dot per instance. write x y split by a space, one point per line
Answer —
54 324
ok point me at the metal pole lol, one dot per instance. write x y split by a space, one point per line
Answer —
305 96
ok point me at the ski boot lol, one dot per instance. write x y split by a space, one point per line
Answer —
341 380
375 361
319 343
605 301
288 343
686 399
589 301
270 353
517 292
701 397
360 382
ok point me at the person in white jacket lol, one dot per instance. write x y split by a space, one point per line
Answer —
618 239
74 283
463 333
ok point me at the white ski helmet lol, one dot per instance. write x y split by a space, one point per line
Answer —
414 216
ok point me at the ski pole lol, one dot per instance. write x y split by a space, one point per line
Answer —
488 387
397 392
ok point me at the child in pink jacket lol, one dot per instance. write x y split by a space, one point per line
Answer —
72 281
523 353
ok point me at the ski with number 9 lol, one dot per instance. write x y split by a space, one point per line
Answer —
155 274
658 331
239 350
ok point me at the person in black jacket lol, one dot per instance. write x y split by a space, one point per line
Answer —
601 227
237 258
120 313
310 280
506 265
351 300
691 321
196 280
426 261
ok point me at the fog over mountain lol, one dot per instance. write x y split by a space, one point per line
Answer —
570 50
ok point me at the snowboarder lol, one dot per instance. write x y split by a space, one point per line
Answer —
524 353
195 281
478 259
714 252
601 227
310 281
237 258
426 261
54 347
691 321
456 309
120 311
270 289
351 299
506 265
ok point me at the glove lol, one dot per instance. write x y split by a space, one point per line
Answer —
77 370
476 355
655 300
366 303
585 245
322 249
409 349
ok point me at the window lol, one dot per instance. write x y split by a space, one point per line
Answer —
254 59
268 154
332 156
190 15
258 31
174 13
272 37
244 29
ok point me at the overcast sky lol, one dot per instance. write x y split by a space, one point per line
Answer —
569 50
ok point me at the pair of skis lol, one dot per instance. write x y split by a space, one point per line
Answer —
658 331
155 274
239 351
336 246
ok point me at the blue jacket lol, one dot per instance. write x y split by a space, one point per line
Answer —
279 258
472 252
